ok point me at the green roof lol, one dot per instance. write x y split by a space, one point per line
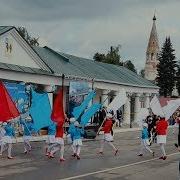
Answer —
70 65
4 29
18 68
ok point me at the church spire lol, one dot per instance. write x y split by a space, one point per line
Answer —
154 18
152 53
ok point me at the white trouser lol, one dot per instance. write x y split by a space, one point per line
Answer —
56 147
27 146
77 149
5 146
162 149
102 142
144 146
73 148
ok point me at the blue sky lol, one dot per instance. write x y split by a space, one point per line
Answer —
83 27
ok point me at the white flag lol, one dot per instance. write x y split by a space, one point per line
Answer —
171 107
118 101
156 107
141 116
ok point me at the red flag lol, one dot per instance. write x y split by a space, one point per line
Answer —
8 108
58 110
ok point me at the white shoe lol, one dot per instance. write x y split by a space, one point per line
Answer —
0 154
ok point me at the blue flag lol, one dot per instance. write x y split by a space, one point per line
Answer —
40 110
78 110
89 113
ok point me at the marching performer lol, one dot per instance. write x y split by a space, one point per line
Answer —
27 130
70 135
107 127
144 140
51 137
8 139
161 129
2 133
178 122
77 134
59 143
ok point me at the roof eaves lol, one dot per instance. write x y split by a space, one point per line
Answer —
126 84
10 28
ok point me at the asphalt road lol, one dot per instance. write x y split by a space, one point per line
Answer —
125 166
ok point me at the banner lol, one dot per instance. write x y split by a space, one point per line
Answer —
89 113
8 108
77 91
40 110
118 101
156 107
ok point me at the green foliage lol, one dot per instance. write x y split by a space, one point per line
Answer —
128 64
142 73
178 78
113 57
31 40
166 69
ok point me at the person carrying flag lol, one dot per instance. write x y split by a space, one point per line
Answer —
161 129
107 127
76 134
27 133
145 140
70 134
59 142
8 139
2 133
178 122
51 137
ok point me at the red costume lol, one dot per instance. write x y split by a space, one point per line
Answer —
107 126
161 127
59 129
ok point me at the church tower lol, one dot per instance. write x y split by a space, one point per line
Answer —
152 54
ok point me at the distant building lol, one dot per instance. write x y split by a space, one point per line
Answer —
152 54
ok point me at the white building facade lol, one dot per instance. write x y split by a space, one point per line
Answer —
19 62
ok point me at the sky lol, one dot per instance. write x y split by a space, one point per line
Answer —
84 27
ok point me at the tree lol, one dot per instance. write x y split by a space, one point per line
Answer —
128 64
112 57
31 40
99 57
166 69
178 78
142 73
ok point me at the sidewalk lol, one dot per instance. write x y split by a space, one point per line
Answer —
44 137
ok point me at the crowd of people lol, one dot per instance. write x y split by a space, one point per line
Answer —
154 130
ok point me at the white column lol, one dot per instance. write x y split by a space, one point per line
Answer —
105 98
127 111
147 100
137 106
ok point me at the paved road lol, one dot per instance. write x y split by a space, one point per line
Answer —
125 166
